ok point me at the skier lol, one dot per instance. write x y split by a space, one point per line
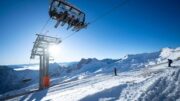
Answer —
115 71
53 13
169 62
70 21
62 16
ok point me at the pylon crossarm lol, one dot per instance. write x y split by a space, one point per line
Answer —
42 42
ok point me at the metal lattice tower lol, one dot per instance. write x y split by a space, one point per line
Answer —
40 48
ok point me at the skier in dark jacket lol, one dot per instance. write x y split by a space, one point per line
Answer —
169 62
115 71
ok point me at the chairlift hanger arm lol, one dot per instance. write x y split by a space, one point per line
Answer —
68 4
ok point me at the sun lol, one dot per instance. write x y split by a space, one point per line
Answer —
54 51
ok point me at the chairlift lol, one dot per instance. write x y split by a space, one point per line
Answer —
65 13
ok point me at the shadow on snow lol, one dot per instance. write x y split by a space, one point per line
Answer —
111 94
35 96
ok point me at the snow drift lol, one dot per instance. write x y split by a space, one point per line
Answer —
166 88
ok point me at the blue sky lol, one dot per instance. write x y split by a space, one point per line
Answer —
136 27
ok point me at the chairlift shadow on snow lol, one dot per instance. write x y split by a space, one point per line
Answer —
111 94
37 96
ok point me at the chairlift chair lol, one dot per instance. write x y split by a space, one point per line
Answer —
65 13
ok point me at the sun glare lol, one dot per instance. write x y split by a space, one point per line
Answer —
54 51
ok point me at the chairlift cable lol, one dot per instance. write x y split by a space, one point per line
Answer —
110 11
69 36
101 16
44 26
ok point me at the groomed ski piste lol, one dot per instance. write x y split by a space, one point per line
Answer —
152 80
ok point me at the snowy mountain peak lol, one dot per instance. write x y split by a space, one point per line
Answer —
169 53
86 61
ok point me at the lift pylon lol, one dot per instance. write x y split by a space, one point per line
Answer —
40 48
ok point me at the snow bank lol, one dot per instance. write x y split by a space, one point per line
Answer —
166 88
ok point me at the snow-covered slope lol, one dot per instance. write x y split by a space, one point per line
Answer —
158 83
94 77
167 87
162 85
6 75
11 79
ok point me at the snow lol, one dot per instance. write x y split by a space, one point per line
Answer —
77 90
170 53
134 85
166 52
164 88
141 77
